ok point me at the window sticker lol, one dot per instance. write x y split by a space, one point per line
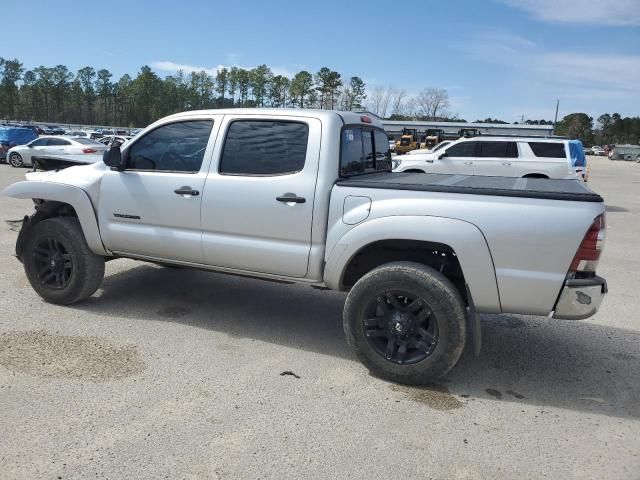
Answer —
349 135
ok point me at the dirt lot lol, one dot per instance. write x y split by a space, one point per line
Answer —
182 374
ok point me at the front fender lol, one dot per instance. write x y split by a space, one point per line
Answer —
464 238
74 196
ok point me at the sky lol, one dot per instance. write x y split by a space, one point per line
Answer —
496 58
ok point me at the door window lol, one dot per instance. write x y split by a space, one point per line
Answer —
57 142
175 147
258 147
41 142
464 149
498 149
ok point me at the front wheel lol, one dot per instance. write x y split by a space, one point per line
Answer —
406 322
15 159
58 262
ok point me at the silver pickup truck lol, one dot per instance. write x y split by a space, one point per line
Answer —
308 197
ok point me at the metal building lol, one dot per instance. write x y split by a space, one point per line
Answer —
394 128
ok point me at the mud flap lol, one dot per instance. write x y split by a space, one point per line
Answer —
26 225
473 320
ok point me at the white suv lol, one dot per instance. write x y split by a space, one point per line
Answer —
496 156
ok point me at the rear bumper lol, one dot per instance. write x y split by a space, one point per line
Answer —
580 298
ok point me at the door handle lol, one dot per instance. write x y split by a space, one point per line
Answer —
291 198
184 190
506 164
468 163
429 161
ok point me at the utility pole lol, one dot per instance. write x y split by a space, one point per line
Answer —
555 120
522 122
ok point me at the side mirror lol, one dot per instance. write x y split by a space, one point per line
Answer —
113 158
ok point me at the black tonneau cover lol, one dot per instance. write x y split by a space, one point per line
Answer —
552 189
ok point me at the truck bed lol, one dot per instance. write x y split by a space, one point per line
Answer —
551 189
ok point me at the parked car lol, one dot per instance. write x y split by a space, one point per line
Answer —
13 136
55 130
95 134
495 156
439 146
625 152
308 197
21 156
598 151
77 133
114 140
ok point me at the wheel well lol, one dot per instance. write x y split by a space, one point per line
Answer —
436 255
44 209
51 208
535 175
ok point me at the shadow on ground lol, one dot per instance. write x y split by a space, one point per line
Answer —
543 362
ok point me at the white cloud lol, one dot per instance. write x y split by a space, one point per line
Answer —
613 75
586 12
168 66
590 82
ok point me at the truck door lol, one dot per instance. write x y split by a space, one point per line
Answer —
152 207
258 199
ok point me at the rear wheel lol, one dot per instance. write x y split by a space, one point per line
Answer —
58 262
15 159
406 322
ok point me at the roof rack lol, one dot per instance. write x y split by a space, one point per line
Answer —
515 135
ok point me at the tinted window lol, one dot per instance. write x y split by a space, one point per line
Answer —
177 147
548 149
264 148
357 151
39 143
464 149
498 149
367 150
352 158
440 145
57 142
383 153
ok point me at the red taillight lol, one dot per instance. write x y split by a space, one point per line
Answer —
365 119
89 150
588 254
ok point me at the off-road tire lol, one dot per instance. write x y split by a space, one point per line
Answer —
441 297
87 268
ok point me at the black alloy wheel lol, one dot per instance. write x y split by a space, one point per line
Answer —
53 263
400 327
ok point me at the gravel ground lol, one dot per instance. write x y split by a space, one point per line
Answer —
185 374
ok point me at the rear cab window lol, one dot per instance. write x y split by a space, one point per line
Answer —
363 150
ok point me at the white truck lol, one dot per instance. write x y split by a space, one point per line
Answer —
308 196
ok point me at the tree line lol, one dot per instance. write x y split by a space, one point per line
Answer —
95 97
609 129
90 96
